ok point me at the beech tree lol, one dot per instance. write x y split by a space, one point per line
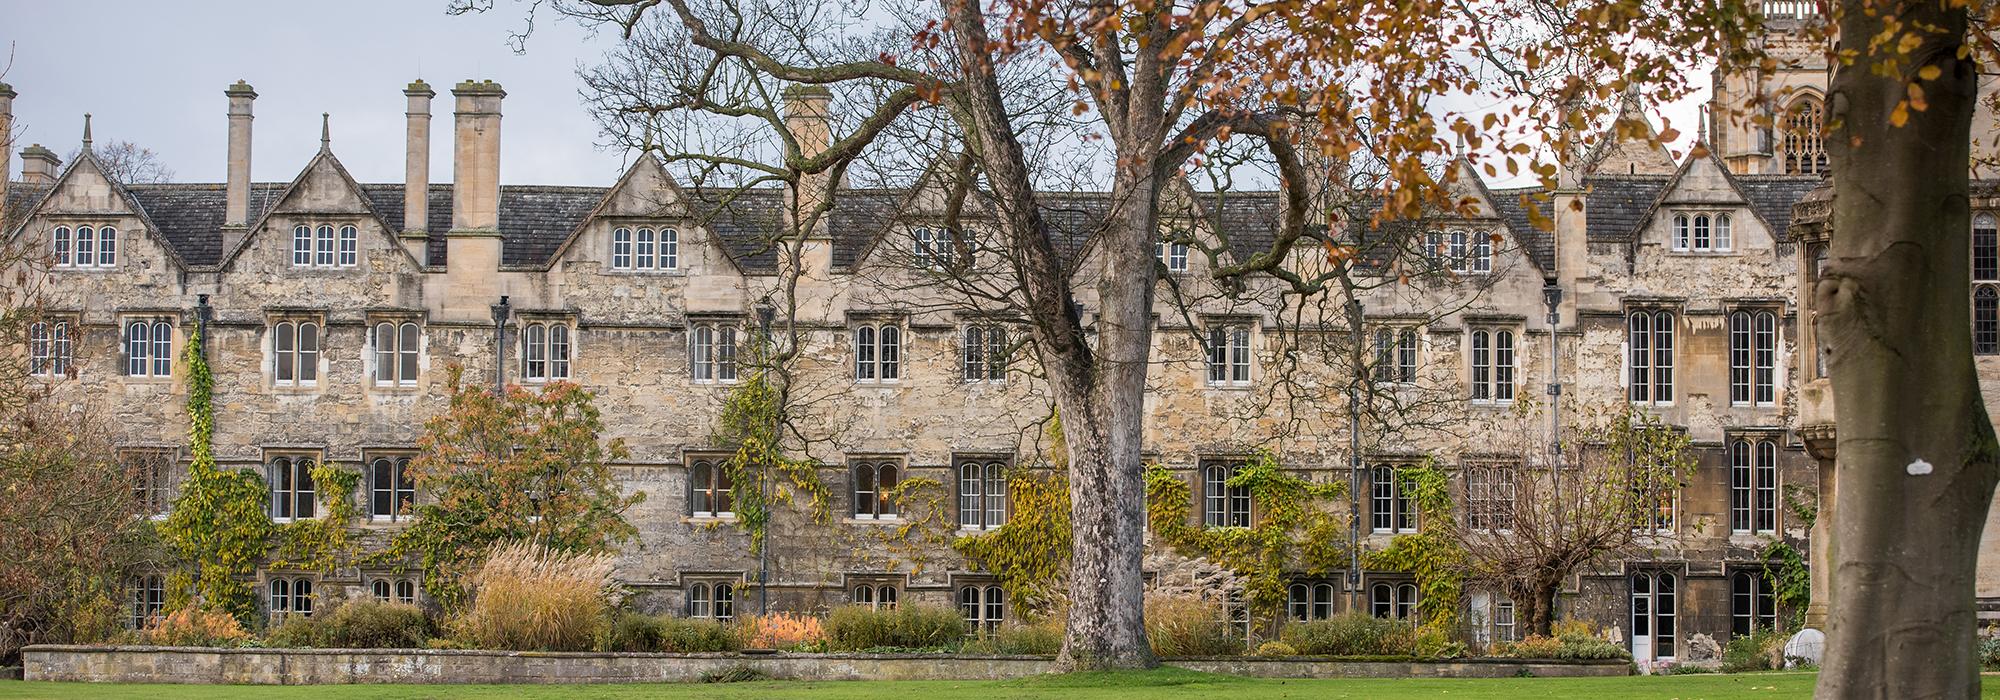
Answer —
1917 460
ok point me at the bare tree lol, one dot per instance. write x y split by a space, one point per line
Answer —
129 163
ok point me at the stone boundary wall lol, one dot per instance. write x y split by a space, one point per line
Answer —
139 664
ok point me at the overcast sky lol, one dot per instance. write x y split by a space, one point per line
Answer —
153 72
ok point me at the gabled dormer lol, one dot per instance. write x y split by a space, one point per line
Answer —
322 223
646 226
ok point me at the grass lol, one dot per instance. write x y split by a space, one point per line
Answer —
1164 683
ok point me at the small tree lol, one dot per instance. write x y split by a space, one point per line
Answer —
528 466
1613 494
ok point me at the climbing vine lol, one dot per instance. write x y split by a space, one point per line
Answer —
325 543
760 471
1293 532
1030 553
1435 560
218 524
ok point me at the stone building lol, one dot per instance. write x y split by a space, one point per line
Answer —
333 307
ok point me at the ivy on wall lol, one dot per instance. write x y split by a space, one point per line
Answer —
1030 552
1434 560
218 524
325 543
760 471
1293 531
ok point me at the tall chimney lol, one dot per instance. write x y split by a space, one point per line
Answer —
808 111
472 249
39 165
6 148
417 166
475 167
236 193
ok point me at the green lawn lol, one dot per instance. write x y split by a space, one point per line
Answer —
1170 683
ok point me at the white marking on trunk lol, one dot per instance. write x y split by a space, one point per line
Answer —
1918 468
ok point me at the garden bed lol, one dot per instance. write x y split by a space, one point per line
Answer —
144 664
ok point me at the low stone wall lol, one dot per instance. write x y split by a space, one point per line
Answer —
134 664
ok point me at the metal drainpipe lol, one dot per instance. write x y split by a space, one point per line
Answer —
1357 336
1552 294
764 313
501 312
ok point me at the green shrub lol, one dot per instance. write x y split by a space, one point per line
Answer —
854 627
1570 646
530 598
1187 626
1350 634
1756 651
364 624
1276 649
1989 650
1043 638
657 633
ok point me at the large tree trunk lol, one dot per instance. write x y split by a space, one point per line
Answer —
1916 454
1100 392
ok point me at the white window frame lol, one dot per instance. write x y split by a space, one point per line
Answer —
548 351
51 348
293 366
983 354
399 489
286 498
982 493
1702 232
1753 358
1307 599
326 245
1650 349
712 600
1172 253
874 596
149 348
397 346
878 353
984 607
711 489
1493 355
297 590
1223 505
1391 511
869 496
1491 493
713 347
1396 349
1229 357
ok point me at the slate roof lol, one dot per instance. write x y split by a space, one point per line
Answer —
21 196
1772 197
1540 244
1616 205
1249 220
746 221
189 216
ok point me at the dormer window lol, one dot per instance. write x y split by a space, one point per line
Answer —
935 247
85 246
645 249
1702 232
1460 251
1172 252
325 245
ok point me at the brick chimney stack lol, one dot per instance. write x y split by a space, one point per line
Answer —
417 167
39 165
236 192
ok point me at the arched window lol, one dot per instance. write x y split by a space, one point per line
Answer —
295 346
1701 233
1985 249
711 491
1307 600
1752 603
984 608
863 595
302 246
1985 320
1457 251
1492 366
642 256
725 601
985 353
381 590
396 350
149 599
323 245
1653 614
1725 238
1804 150
1650 357
107 246
621 248
1680 232
290 597
149 349
545 352
1393 601
1482 252
406 592
60 245
875 490
879 597
86 246
1503 366
1390 508
1223 504
982 494
670 249
878 352
350 247
391 495
292 496
49 349
558 351
699 605
1229 355
1753 358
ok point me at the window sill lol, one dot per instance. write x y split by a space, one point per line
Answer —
700 519
885 520
383 522
92 268
1231 386
629 272
1491 403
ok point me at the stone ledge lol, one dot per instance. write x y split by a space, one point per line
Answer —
141 664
